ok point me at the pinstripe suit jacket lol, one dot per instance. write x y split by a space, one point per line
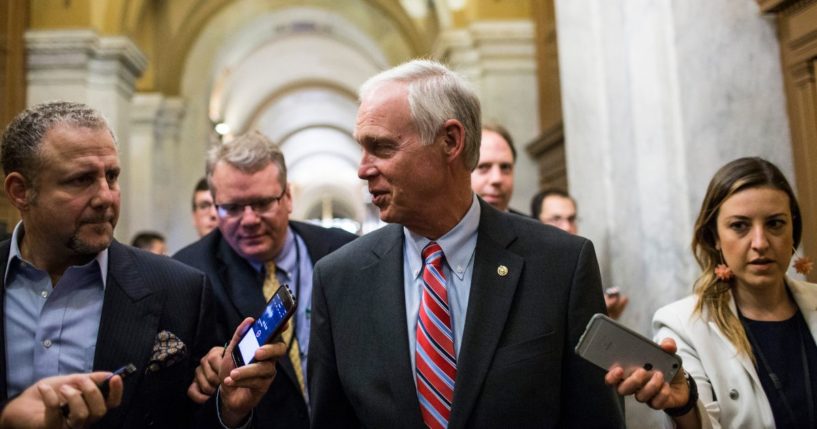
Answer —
145 294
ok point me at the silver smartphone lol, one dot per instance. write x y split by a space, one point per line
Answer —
605 343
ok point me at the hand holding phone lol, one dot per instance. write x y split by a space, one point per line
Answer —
104 386
45 403
267 326
242 387
606 343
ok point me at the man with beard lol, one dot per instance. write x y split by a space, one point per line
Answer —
75 300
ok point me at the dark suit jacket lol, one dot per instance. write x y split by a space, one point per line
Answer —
237 290
518 213
145 294
516 366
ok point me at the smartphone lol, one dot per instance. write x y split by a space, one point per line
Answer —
104 386
606 342
267 326
123 372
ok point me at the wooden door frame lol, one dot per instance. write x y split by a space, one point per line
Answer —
797 34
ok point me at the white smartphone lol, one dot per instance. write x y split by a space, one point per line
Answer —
606 342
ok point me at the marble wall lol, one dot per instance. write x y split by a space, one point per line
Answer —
499 58
657 95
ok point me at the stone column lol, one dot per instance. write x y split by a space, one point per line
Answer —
154 134
101 71
657 95
499 57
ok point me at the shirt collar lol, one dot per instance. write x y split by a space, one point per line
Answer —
14 253
287 258
458 244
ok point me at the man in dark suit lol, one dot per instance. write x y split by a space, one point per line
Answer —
75 300
254 235
458 315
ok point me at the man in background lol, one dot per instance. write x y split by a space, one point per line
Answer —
492 180
150 241
556 207
76 300
204 212
255 249
458 314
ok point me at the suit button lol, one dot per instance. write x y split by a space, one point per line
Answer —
734 394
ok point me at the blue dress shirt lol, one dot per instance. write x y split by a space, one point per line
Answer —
50 329
294 266
459 245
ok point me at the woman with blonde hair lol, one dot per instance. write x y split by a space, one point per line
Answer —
746 335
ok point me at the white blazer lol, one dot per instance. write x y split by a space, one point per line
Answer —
729 389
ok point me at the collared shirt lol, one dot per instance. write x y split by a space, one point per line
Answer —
50 329
293 267
459 245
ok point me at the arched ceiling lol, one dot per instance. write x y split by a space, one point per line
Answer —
176 26
292 72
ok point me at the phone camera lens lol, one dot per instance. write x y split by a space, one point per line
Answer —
648 366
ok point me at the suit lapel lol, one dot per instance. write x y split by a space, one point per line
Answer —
384 271
316 246
805 295
488 307
130 317
243 284
241 281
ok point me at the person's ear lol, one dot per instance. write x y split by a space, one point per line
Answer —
454 139
288 200
19 190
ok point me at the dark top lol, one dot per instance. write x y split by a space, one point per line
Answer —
779 343
145 295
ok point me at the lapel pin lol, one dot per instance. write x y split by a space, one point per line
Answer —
502 270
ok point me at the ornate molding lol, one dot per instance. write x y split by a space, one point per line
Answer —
490 45
551 138
80 56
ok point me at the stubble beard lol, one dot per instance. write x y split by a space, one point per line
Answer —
83 248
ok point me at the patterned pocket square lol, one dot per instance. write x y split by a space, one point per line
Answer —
167 350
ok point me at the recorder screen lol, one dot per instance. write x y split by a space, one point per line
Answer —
263 328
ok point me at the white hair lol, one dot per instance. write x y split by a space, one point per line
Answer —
435 95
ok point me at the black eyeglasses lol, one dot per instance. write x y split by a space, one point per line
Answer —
259 206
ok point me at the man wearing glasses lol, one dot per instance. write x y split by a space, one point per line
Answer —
204 212
255 241
556 207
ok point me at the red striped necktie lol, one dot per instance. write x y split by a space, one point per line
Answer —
434 355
